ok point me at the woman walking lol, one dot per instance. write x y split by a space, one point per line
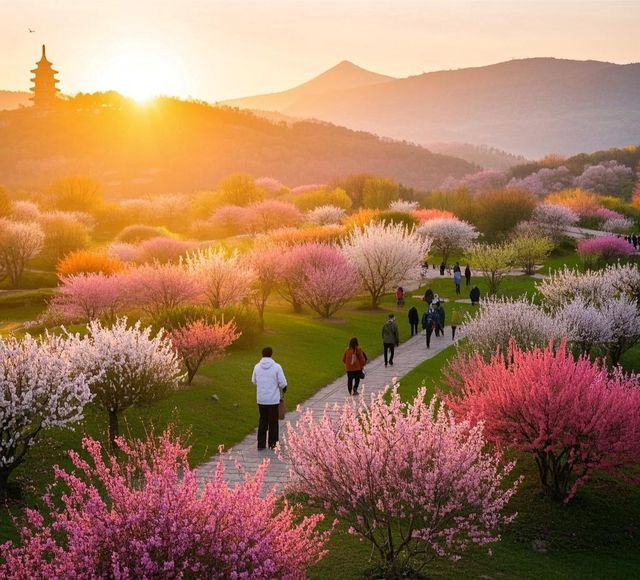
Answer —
354 360
413 320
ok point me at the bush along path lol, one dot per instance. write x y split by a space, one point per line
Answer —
245 457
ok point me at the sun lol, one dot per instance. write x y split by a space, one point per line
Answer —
141 73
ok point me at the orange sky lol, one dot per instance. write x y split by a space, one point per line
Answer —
217 49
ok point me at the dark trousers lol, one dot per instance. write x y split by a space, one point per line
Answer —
268 422
414 328
457 287
389 349
353 381
468 280
429 333
453 332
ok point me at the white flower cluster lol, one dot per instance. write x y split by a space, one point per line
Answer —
403 206
325 215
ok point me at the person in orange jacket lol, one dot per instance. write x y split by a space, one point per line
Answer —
354 360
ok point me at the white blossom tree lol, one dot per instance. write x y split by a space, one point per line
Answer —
39 388
403 206
385 255
127 366
19 242
562 286
554 219
448 234
624 319
325 215
584 325
224 279
617 225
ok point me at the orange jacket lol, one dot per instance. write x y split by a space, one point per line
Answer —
353 361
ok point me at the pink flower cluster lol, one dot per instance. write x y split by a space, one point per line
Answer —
144 517
605 248
572 415
407 477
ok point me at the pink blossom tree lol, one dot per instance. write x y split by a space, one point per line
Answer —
88 296
127 366
163 249
272 214
385 255
570 414
146 517
266 264
39 389
604 249
406 477
225 280
199 341
447 235
607 178
19 242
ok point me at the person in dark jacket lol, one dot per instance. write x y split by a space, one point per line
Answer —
428 296
413 320
428 324
474 296
390 339
439 312
443 266
467 275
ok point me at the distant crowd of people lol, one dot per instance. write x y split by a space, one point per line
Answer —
633 239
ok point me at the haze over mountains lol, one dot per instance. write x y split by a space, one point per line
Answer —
529 107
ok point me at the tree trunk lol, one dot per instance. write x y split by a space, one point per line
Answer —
113 429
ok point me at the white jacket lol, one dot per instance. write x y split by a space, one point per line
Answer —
269 379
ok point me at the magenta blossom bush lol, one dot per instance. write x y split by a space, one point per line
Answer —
406 477
144 517
604 249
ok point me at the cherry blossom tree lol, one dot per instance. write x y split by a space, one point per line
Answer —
325 215
199 341
554 219
406 477
570 414
19 242
562 286
584 325
494 261
546 180
617 225
223 277
604 249
127 366
125 252
624 317
266 263
89 296
146 516
607 178
271 214
447 235
384 255
39 388
500 320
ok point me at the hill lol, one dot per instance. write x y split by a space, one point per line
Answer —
529 107
172 145
14 100
344 75
483 155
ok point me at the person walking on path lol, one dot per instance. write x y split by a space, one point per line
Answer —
354 360
428 296
270 385
467 275
457 277
400 296
442 268
455 321
413 320
390 339
428 323
439 313
474 296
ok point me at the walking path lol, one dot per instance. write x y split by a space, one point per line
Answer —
408 355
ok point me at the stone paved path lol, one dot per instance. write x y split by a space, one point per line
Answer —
409 355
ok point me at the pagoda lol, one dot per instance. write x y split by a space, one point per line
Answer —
45 91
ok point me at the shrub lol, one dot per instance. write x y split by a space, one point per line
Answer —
363 217
530 250
163 250
402 205
498 211
570 414
76 193
544 181
239 189
424 215
582 203
617 225
230 220
138 233
146 516
554 219
126 366
25 211
405 477
325 215
494 261
397 217
294 236
127 253
607 178
308 200
379 192
39 389
384 255
604 250
85 262
199 341
86 297
63 234
271 214
19 242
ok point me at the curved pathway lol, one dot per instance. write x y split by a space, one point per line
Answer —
408 355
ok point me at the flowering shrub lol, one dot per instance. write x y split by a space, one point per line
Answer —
481 181
584 325
86 262
63 233
424 215
139 232
384 255
583 203
270 215
607 178
570 414
326 214
126 366
19 242
617 225
89 296
124 252
229 220
39 388
145 517
406 477
199 341
554 219
162 249
448 234
562 286
362 218
402 205
604 249
270 184
546 180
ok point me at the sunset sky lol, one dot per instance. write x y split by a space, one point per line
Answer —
218 49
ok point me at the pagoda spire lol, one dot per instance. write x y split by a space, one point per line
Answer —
45 91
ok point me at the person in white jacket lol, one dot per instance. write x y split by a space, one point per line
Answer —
270 384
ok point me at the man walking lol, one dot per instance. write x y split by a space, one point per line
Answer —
270 381
390 339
